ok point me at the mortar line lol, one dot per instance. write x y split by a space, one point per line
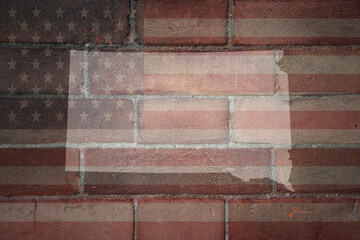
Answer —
229 24
81 170
273 173
132 22
226 222
85 73
179 146
178 47
135 218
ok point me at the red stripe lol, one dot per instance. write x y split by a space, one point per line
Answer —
297 9
319 83
17 230
20 190
291 230
181 230
38 156
320 188
318 157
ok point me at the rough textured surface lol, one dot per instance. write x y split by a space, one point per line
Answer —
169 119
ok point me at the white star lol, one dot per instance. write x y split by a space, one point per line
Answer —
119 77
60 64
130 116
59 38
107 38
71 103
12 117
107 13
24 52
83 117
107 117
47 52
59 90
12 37
59 13
24 77
48 77
119 26
36 12
71 26
107 63
23 103
96 77
84 13
12 89
12 12
107 90
95 103
132 64
48 103
12 64
36 116
119 104
48 26
35 64
95 26
36 89
24 26
59 116
36 38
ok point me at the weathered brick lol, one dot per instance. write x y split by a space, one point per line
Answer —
300 120
294 218
183 121
262 22
181 22
177 171
335 170
38 171
180 219
53 120
17 220
309 72
64 21
89 219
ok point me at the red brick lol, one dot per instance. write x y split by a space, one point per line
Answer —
183 120
26 25
54 120
180 219
246 73
294 218
296 22
89 219
177 171
302 120
16 220
181 22
38 171
311 170
309 72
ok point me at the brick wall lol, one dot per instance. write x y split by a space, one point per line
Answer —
154 119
